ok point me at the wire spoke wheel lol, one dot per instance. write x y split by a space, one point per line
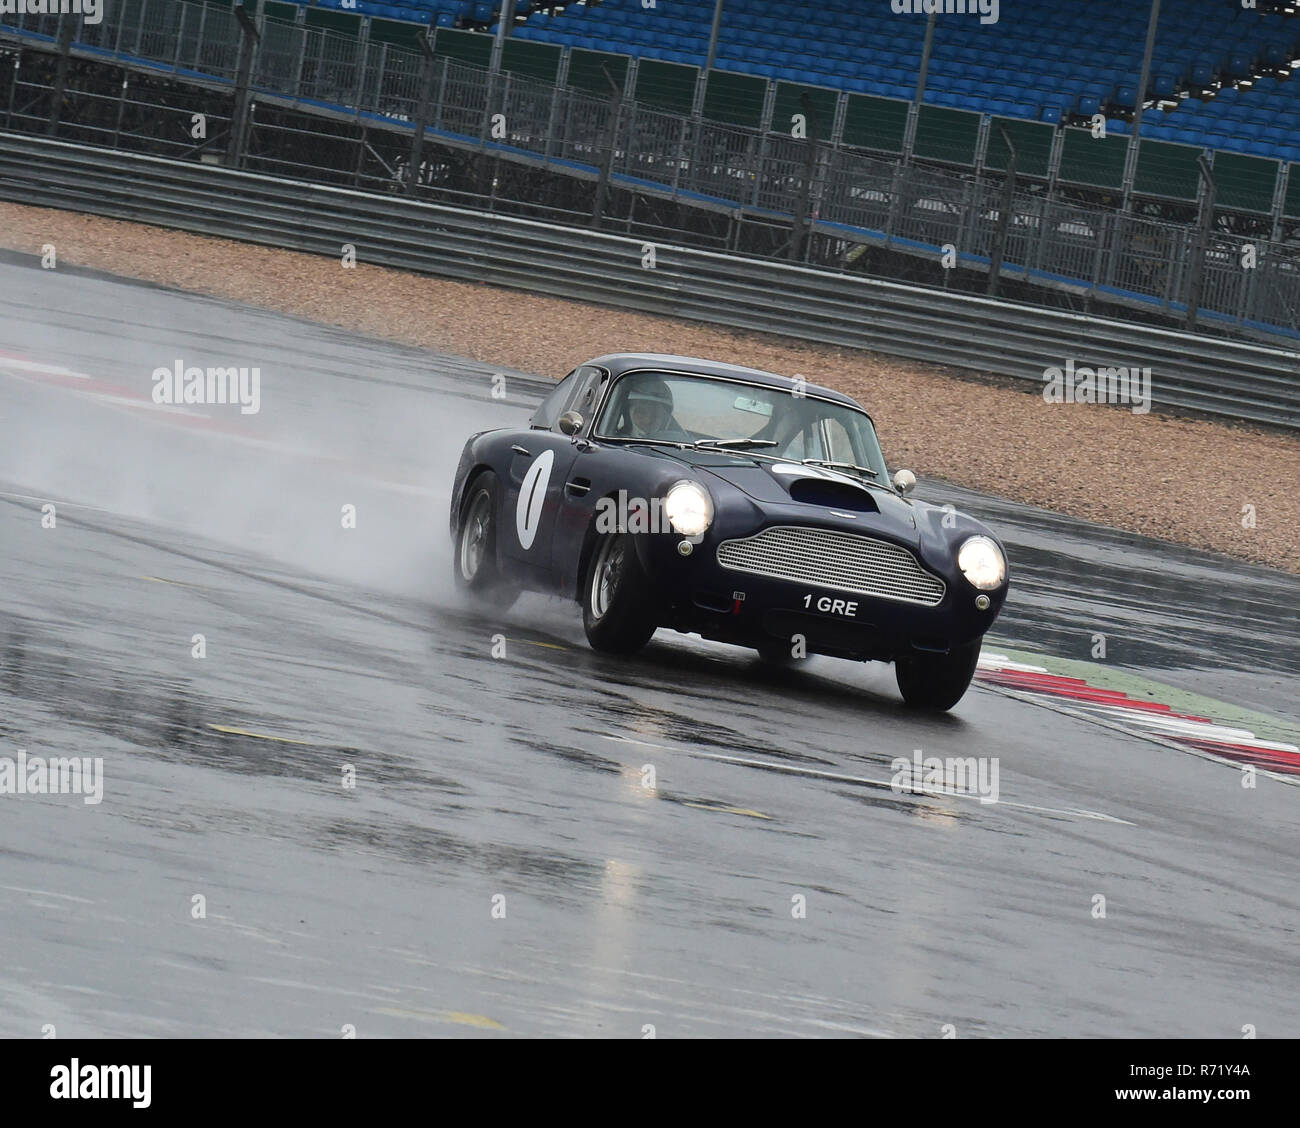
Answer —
474 537
618 600
606 576
474 564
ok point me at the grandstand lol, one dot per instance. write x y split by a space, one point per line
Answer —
1219 68
611 116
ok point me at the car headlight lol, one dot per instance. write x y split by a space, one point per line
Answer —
982 563
689 508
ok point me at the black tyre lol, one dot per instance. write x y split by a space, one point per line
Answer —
474 562
617 598
936 682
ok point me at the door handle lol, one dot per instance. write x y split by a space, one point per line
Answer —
578 487
520 450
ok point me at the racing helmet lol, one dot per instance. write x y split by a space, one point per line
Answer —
649 406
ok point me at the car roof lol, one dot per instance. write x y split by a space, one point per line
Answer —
618 363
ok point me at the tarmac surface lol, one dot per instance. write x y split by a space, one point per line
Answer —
400 816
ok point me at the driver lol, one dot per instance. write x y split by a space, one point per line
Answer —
649 409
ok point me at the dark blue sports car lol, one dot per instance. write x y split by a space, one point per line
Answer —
751 508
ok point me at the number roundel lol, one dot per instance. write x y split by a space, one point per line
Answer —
532 496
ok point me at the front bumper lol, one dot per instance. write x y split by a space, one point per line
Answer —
699 595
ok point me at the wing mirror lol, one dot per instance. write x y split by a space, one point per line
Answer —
571 422
904 481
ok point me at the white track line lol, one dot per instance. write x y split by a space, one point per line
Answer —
18 364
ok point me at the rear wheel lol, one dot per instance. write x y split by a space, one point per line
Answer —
936 682
474 567
617 599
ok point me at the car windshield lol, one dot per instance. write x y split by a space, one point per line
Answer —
675 407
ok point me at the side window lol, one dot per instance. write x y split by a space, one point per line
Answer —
552 406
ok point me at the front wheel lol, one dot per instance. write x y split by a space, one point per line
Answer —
474 567
617 598
936 682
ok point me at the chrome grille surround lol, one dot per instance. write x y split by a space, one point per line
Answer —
828 558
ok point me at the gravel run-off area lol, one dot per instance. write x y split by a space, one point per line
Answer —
1178 479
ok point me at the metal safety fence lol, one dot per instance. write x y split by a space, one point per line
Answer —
854 199
1214 375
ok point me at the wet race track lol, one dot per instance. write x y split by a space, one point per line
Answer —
500 866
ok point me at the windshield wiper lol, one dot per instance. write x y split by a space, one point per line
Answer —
839 466
735 444
628 439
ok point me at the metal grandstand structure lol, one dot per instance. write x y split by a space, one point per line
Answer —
289 99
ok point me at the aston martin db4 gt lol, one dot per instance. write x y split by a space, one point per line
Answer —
743 506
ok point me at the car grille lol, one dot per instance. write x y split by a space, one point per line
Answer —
842 561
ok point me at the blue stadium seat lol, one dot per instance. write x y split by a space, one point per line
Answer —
1069 57
1240 64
